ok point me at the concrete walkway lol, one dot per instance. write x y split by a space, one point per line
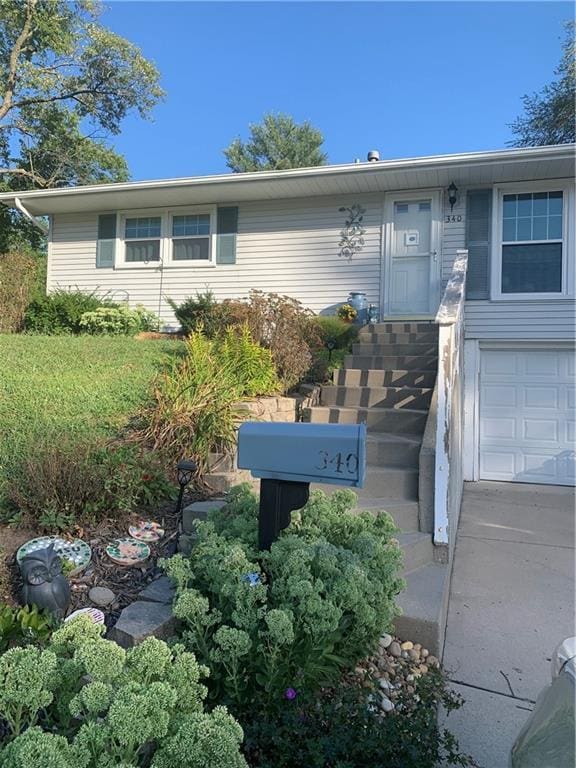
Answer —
511 603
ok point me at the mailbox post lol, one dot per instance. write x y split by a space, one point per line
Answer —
287 457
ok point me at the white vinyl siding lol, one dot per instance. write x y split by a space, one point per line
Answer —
285 246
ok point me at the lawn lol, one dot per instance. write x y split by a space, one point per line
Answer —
57 386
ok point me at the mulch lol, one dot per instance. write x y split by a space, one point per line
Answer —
125 582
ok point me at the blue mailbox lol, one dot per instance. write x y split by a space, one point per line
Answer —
287 457
305 453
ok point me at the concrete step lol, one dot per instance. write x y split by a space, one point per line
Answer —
401 326
382 337
356 377
428 349
417 548
424 605
383 397
392 362
398 483
393 450
404 513
404 420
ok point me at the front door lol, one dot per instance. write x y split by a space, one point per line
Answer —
412 274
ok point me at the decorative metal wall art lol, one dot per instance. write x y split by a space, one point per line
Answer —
352 234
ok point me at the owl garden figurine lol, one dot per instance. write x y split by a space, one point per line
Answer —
44 583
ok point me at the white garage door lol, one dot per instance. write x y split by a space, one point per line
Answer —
527 416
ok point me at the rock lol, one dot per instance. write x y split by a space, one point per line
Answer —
407 646
394 649
198 511
410 678
432 661
385 641
159 591
413 654
423 668
417 647
186 543
424 653
384 684
386 704
101 596
140 620
404 654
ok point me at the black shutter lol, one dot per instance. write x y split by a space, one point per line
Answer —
478 242
227 227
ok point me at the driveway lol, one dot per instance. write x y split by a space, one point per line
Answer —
511 603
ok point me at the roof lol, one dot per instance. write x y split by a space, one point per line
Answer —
473 168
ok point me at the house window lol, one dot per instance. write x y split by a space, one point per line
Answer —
532 241
142 239
191 237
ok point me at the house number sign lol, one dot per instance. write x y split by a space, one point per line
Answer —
453 218
342 464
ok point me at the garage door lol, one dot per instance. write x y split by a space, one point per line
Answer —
527 416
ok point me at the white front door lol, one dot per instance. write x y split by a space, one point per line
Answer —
412 272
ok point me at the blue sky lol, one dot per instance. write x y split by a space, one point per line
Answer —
406 78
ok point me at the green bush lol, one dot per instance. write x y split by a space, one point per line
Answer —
84 702
61 311
195 404
292 617
199 312
118 321
20 277
24 625
69 482
340 727
335 331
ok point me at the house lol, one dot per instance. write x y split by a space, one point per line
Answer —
470 260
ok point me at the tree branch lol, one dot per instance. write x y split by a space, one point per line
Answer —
6 105
40 180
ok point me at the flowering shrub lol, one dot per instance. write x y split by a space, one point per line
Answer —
87 703
273 623
118 321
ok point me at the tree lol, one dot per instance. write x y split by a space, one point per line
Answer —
276 144
549 115
66 84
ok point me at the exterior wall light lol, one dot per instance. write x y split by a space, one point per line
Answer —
452 190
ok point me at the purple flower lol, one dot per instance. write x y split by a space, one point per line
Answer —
252 578
290 694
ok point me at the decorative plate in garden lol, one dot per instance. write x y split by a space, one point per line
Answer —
76 552
128 551
146 530
93 613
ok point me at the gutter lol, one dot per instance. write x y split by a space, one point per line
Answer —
38 224
533 154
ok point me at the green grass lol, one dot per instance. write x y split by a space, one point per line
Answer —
57 387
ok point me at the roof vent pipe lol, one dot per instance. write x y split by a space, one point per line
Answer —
373 156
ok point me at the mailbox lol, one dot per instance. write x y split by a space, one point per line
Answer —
305 453
287 457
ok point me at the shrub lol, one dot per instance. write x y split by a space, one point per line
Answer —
118 321
339 727
335 331
19 276
195 405
198 312
24 625
61 311
84 702
63 483
281 324
292 617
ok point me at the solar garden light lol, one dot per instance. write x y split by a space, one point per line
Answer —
185 471
330 344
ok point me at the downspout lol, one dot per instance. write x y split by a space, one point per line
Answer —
38 224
